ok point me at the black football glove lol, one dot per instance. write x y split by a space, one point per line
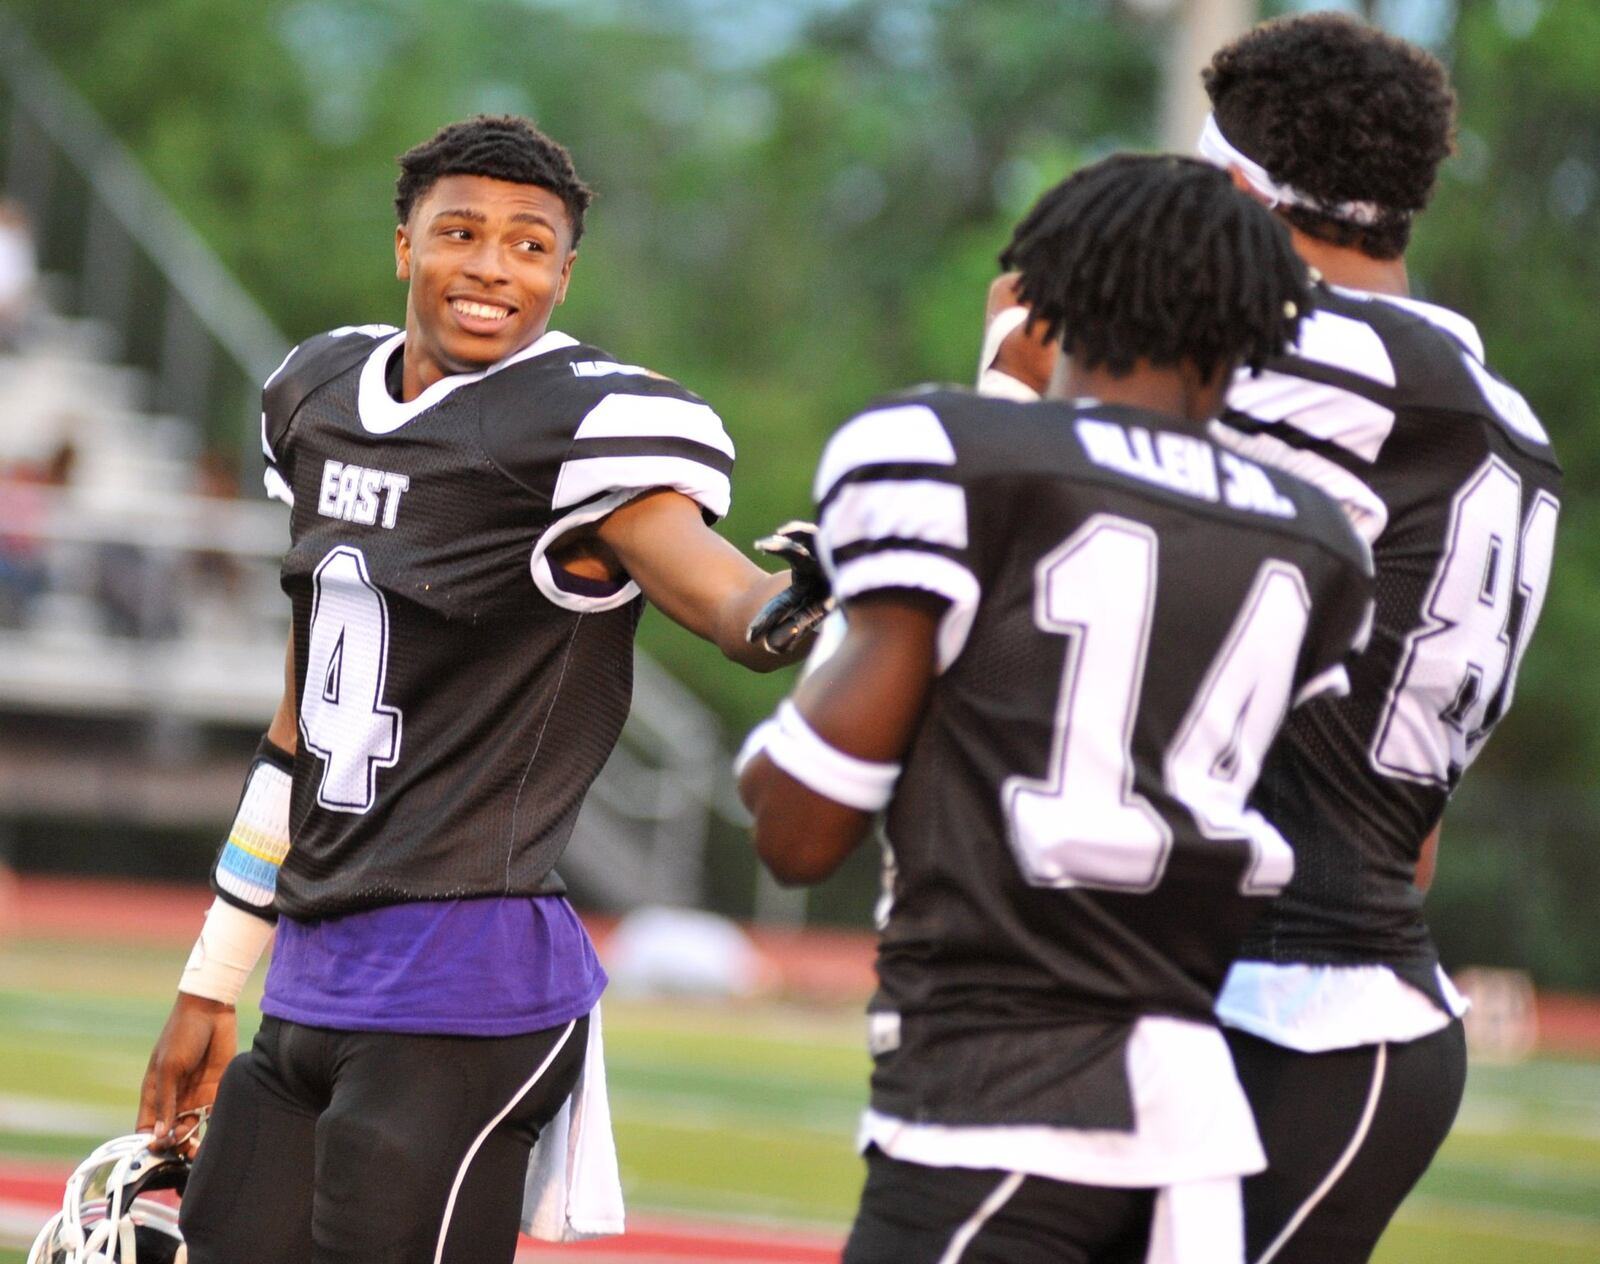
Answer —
807 599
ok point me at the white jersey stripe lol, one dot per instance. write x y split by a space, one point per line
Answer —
908 433
1343 343
621 416
897 509
1329 413
589 476
931 572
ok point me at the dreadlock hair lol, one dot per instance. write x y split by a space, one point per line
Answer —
1341 111
502 147
1161 259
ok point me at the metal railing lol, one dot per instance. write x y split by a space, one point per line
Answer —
136 266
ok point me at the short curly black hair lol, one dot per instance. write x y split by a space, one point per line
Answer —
1161 259
1342 111
502 147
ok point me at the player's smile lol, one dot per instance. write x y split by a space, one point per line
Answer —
488 260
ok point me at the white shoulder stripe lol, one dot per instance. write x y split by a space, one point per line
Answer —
907 432
1452 322
897 509
1345 343
932 572
622 416
590 476
1331 413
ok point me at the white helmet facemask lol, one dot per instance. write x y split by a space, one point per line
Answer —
104 1220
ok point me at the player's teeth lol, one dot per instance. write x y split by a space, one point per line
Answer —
482 310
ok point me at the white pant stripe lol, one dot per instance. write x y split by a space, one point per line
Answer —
996 1200
477 1143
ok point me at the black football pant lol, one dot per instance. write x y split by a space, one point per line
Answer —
1347 1133
335 1147
912 1214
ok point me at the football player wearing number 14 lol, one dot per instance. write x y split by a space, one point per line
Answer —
1072 630
1345 1030
480 504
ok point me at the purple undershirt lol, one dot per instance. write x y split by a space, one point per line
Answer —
479 967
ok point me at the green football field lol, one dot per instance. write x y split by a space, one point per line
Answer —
747 1112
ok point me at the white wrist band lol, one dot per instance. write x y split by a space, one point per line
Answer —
793 745
229 945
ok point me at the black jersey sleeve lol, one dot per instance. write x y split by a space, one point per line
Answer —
892 514
313 363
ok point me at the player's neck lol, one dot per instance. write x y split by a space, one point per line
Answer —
1177 392
1350 268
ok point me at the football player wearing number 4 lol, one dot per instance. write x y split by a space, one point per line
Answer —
1345 1030
1072 630
480 505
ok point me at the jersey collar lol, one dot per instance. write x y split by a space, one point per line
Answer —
381 413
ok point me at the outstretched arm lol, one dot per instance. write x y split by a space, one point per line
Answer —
814 785
201 1034
696 577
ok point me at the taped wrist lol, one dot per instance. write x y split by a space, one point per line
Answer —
229 945
794 746
246 872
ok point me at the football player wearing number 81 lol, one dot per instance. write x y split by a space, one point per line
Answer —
480 506
1072 630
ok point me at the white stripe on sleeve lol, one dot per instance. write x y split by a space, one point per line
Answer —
1324 412
897 509
623 416
931 572
588 476
910 433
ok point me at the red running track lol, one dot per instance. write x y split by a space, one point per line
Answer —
31 1192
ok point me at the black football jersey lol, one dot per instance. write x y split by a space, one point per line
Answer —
1387 405
1131 611
458 693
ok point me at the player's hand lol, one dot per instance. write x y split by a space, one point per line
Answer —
795 611
196 1045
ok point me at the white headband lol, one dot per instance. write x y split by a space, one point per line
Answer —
1216 148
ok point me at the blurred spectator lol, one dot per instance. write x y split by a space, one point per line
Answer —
25 493
19 271
219 576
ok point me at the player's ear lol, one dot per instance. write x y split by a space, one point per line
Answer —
566 277
402 253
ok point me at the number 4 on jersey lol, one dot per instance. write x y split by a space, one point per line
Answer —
342 716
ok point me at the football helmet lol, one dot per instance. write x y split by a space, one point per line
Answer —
104 1218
